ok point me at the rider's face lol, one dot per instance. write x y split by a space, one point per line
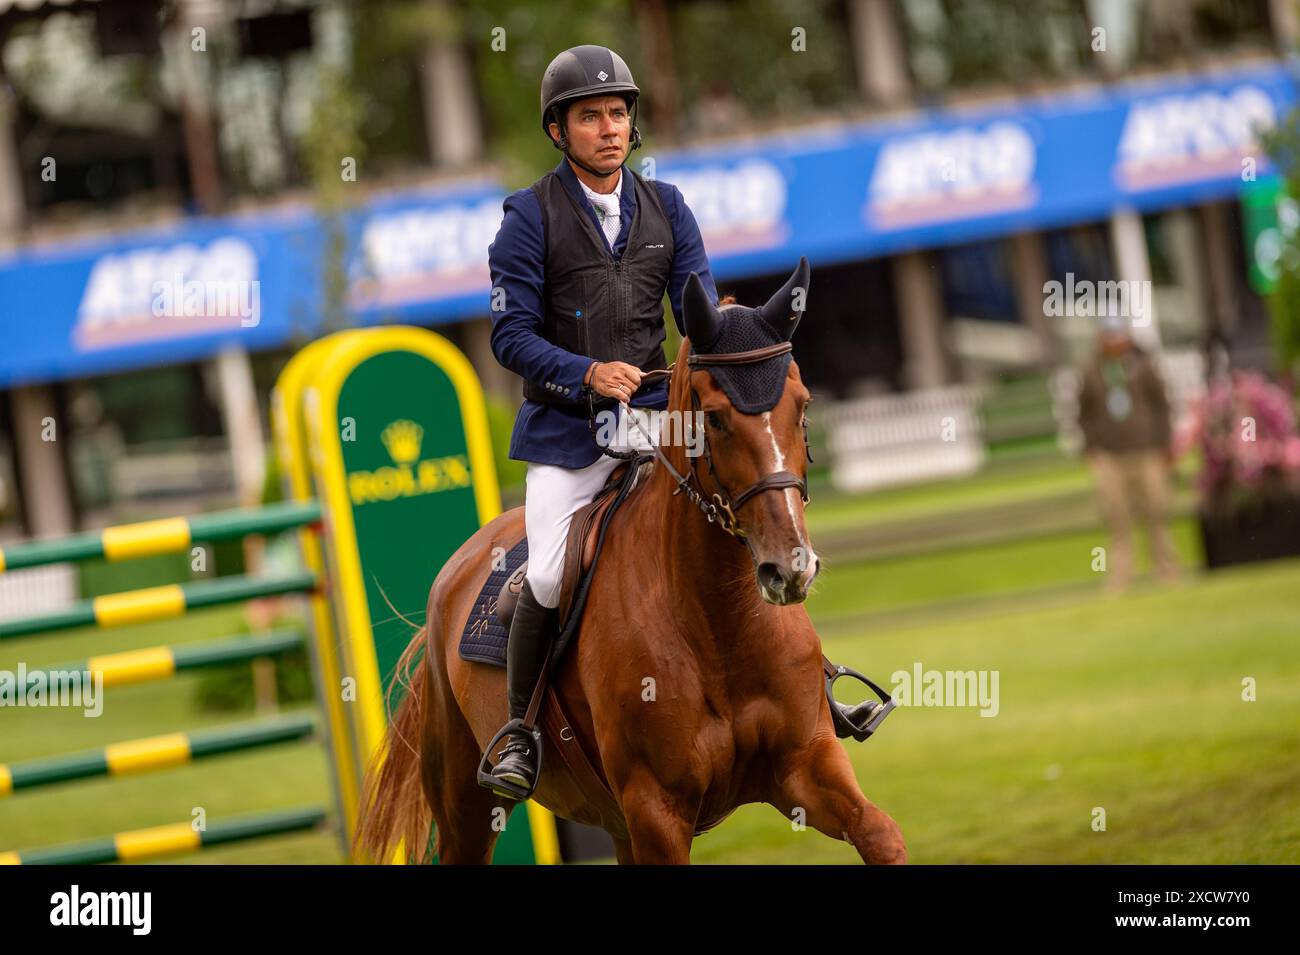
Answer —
599 129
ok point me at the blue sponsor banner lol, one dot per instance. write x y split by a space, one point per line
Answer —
834 194
953 176
183 293
422 256
145 299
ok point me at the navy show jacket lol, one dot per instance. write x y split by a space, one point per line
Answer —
551 434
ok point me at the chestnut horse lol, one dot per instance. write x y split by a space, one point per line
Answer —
693 689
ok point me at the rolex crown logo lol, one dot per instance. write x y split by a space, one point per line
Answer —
402 439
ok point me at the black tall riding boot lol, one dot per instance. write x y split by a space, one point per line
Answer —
531 633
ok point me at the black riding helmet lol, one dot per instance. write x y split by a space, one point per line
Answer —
577 73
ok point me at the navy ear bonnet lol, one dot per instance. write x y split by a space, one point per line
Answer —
756 387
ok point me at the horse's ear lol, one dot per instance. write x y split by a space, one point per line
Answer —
784 309
703 320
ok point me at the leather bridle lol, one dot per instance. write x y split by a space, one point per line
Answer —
721 506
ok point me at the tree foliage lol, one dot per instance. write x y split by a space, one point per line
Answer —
1283 145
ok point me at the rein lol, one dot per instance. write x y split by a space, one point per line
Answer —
721 507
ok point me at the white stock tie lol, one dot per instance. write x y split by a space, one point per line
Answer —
608 213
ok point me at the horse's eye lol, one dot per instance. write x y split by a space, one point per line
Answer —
714 420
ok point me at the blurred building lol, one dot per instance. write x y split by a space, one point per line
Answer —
940 163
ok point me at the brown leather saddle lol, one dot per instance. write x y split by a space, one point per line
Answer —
580 549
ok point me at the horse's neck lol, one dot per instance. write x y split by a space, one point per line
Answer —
707 575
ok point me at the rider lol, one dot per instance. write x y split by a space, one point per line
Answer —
579 268
582 261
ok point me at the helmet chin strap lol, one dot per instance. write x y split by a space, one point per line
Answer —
595 172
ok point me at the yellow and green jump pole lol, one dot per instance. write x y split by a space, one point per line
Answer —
158 603
153 753
130 541
162 663
141 844
147 538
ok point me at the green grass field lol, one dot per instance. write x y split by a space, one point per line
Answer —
1131 704
1017 484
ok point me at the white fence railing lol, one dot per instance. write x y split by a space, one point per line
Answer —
194 466
923 435
897 439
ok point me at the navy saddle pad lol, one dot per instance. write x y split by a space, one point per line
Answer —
484 639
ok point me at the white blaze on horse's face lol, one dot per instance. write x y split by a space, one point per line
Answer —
794 507
787 566
745 448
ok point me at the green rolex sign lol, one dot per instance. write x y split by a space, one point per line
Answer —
401 459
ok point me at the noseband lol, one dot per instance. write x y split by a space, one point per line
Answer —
721 508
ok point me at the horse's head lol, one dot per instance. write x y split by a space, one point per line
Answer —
755 460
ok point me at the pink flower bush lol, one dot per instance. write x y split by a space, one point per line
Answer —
1246 429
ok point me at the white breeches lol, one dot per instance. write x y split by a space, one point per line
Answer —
552 496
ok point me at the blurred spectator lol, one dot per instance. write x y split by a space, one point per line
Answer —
1125 418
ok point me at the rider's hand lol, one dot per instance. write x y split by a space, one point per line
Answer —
615 379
